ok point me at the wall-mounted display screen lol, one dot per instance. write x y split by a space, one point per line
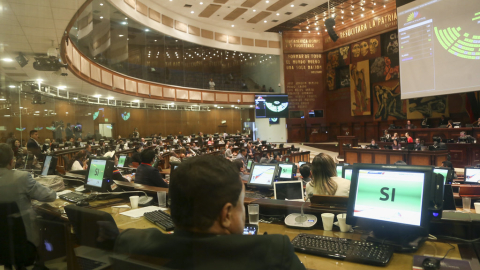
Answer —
271 106
315 113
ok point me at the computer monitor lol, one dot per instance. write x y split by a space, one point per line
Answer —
99 174
472 175
122 159
249 164
347 172
289 190
339 170
286 171
300 163
262 175
391 200
49 165
445 172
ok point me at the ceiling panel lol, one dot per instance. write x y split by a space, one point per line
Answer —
209 10
220 1
250 3
235 14
279 4
260 16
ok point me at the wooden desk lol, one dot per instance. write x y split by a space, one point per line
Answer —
295 157
352 140
383 156
427 134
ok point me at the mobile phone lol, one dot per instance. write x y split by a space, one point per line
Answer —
250 229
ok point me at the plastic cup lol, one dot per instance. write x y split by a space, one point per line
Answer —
342 223
253 213
162 198
327 220
477 207
134 201
466 204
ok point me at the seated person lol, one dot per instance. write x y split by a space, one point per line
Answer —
306 173
148 175
245 176
373 145
443 121
228 152
463 137
417 146
207 208
409 125
450 124
409 139
265 158
242 153
395 136
88 150
386 135
136 156
79 162
18 186
396 145
276 158
324 178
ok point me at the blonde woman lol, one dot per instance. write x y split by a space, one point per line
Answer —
324 178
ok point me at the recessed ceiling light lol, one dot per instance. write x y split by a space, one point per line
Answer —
124 23
21 107
120 35
101 4
109 97
267 1
254 10
251 106
11 86
126 18
264 21
278 14
362 15
97 96
7 60
233 25
62 87
136 101
101 17
292 5
192 11
146 30
39 80
215 105
201 3
232 105
2 99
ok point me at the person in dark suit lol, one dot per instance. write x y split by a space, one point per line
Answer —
409 125
443 121
148 175
207 208
33 146
136 156
200 139
417 146
373 144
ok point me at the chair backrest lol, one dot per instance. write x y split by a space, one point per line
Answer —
14 246
121 263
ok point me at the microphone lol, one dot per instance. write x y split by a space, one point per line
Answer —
302 220
302 217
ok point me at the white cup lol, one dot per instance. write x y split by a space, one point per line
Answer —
162 198
342 223
327 220
477 207
134 202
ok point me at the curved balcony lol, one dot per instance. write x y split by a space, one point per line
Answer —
110 50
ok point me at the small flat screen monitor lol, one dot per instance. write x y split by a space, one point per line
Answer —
46 165
339 170
347 172
300 163
445 172
121 160
249 164
262 175
472 175
285 171
99 170
271 106
390 196
289 190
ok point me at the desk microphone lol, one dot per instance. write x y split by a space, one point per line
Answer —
302 221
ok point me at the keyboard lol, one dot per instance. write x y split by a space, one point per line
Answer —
343 249
88 264
73 197
254 195
161 219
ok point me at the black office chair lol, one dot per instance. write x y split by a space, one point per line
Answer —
15 249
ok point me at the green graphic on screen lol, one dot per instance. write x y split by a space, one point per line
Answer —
390 196
442 172
348 174
458 43
339 170
96 172
286 171
121 161
276 106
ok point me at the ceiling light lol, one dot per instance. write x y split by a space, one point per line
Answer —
126 18
120 35
192 11
383 5
267 1
232 105
352 19
316 28
124 23
11 86
264 21
109 97
136 101
292 5
254 10
37 111
75 98
7 60
251 106
362 15
342 11
97 96
46 110
373 11
7 115
101 17
201 3
146 30
307 27
2 99
215 105
233 25
278 14
39 80
21 107
101 4
62 87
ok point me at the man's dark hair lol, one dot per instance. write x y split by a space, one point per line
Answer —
147 156
400 163
6 154
238 163
199 188
242 150
305 170
32 132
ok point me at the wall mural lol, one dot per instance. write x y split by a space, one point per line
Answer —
342 77
387 102
431 107
384 68
389 43
335 59
366 49
360 88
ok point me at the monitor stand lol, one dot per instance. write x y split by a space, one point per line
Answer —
401 242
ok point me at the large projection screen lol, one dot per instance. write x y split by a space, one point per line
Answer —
439 43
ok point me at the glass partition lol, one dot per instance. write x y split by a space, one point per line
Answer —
110 38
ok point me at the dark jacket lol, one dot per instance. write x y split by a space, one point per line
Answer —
35 148
147 175
185 250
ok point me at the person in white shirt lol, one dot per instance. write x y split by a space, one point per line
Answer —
324 178
211 84
189 139
80 162
175 141
221 141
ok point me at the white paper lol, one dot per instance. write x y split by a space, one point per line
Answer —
136 213
63 192
122 206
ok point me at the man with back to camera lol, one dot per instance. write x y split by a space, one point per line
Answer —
20 187
148 175
306 173
417 146
207 208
